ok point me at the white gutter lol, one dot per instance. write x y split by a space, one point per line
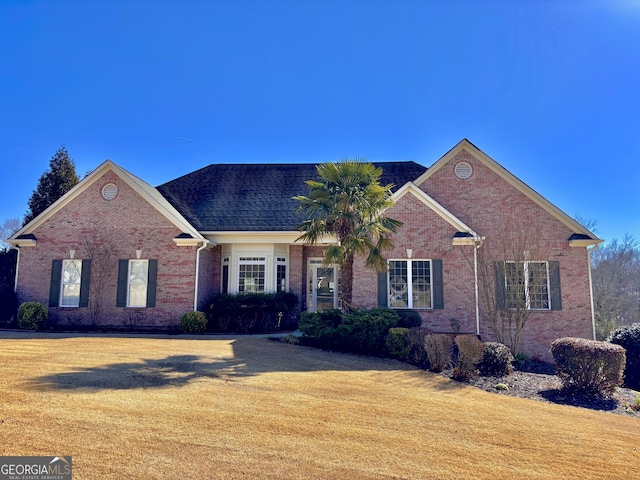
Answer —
205 244
593 316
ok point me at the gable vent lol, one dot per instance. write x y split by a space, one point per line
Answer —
110 191
463 170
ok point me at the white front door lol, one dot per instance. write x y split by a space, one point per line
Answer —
322 291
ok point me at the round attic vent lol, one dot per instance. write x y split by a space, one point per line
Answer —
109 191
463 170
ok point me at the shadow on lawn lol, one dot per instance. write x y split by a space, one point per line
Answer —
171 371
250 357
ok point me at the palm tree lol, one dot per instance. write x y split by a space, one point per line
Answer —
348 202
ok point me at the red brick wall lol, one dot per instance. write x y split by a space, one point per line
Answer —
429 236
122 225
488 204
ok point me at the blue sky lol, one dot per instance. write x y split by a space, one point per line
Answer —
549 89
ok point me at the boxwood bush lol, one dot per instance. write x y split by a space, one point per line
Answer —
469 351
588 366
193 322
32 315
497 360
629 338
396 343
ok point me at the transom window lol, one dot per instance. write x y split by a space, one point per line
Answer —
71 278
410 284
527 285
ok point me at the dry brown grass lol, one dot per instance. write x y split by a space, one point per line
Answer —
127 407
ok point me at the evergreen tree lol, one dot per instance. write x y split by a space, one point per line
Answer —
53 184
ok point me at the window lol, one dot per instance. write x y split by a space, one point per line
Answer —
137 282
527 285
410 284
281 274
70 284
251 274
138 278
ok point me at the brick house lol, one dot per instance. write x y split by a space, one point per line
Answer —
117 251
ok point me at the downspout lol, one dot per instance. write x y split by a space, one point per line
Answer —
477 244
593 316
15 283
205 244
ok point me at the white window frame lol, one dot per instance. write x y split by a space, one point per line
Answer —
252 261
131 283
281 262
395 295
527 286
73 301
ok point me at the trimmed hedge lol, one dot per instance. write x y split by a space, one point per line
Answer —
32 315
359 331
497 360
253 312
629 338
396 343
193 322
588 366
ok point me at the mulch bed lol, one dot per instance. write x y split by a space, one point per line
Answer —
537 381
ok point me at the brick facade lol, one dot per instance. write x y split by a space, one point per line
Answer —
490 203
116 229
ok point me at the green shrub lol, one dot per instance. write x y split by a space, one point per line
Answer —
396 344
253 312
321 327
588 366
364 331
408 318
497 360
32 315
417 352
193 322
438 347
469 355
629 338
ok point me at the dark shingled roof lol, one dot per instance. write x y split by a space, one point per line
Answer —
256 197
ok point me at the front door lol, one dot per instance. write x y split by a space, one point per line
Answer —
322 293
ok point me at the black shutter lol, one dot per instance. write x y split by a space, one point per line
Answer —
437 279
501 294
554 282
152 283
383 290
123 280
84 283
54 286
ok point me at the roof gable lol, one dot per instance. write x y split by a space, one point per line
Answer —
515 182
459 225
256 197
146 191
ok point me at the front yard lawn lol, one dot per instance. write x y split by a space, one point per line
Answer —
220 407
